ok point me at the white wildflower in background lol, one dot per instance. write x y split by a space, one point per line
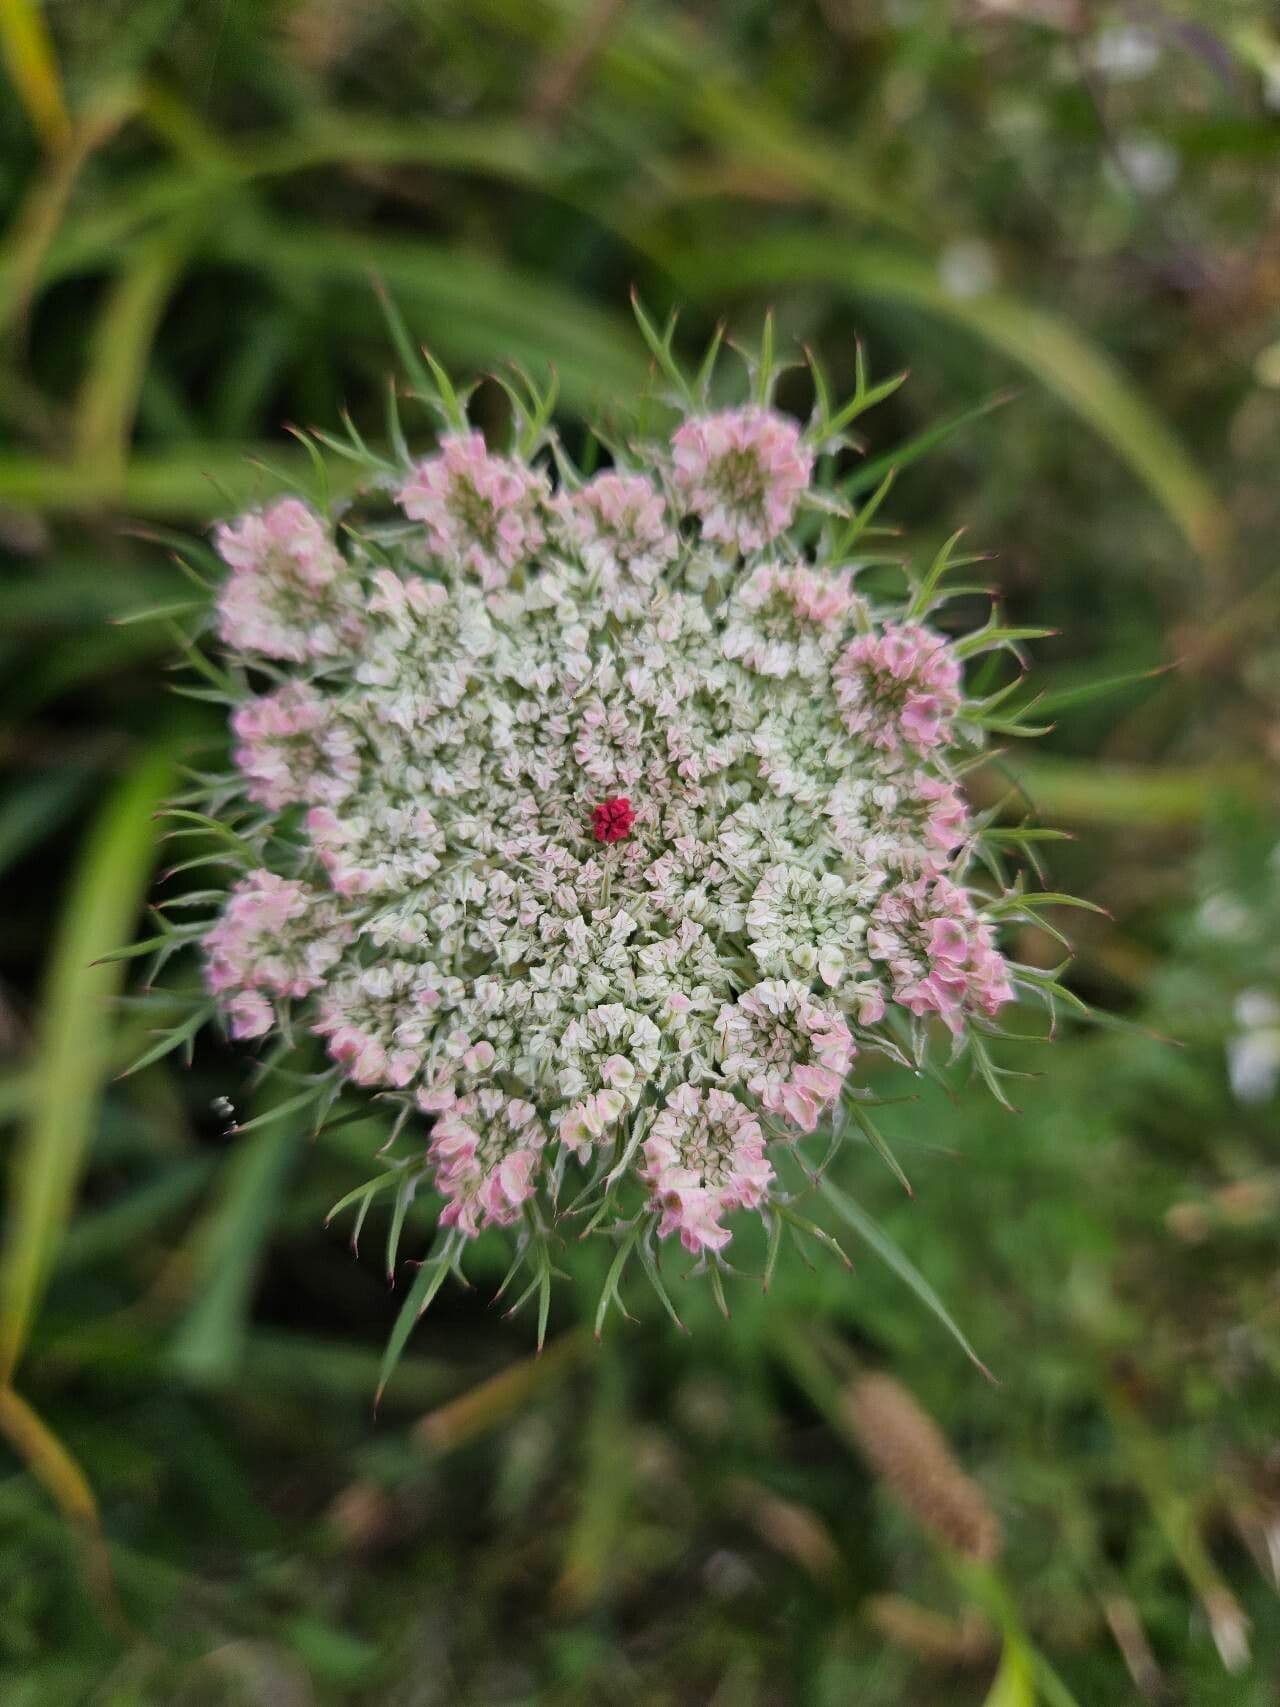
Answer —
968 268
1125 53
1253 1052
605 827
1148 163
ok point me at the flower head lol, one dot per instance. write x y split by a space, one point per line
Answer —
789 620
276 937
899 689
481 512
293 746
485 1150
704 1156
599 842
290 594
377 1020
801 924
941 956
791 1050
378 849
742 473
619 525
607 1056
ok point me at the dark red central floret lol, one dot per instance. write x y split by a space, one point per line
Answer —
612 819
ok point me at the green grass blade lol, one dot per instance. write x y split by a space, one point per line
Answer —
1082 791
32 64
1013 1685
74 1040
861 1223
120 350
124 1223
193 483
917 446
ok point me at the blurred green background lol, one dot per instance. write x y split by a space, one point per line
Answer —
1063 217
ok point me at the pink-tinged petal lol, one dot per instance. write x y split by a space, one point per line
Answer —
742 473
481 512
290 594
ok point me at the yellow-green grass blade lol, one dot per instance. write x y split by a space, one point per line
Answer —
47 1459
40 214
1067 363
193 483
120 349
73 1042
33 68
1014 1685
1081 791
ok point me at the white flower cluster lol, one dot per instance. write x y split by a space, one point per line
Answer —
606 824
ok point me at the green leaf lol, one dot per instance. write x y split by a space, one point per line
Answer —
120 349
405 1189
610 1294
73 1041
878 1143
889 1253
869 474
923 597
649 1262
1061 699
430 1277
364 1194
660 348
994 635
1044 898
1025 833
173 1037
848 537
316 1094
